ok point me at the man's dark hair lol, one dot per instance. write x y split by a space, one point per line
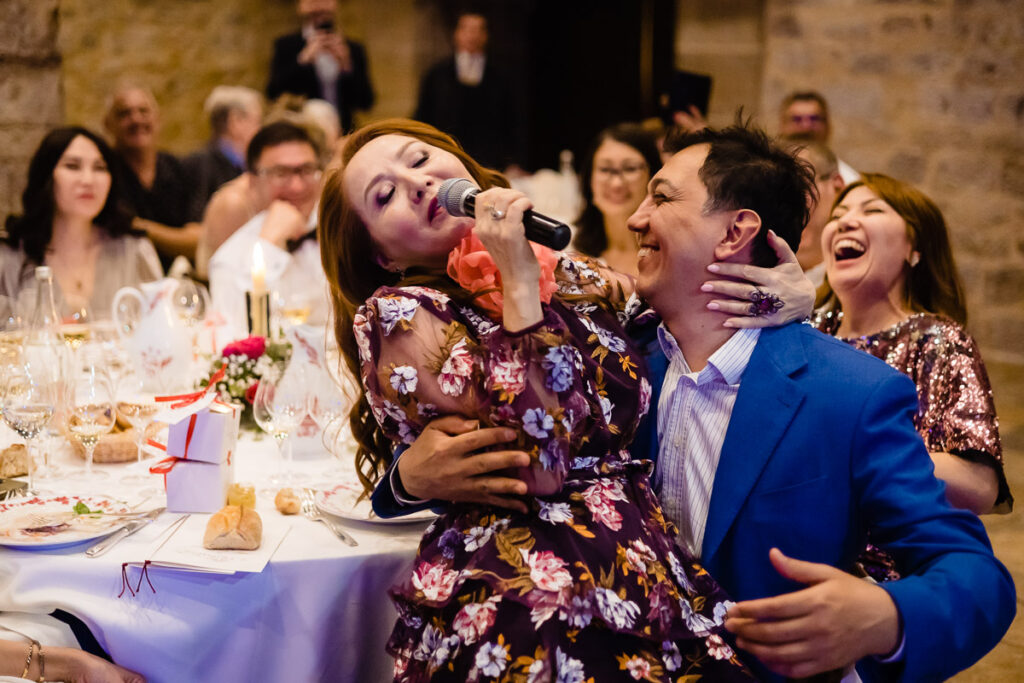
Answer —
274 134
744 169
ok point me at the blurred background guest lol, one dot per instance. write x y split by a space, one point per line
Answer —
285 161
235 114
319 62
806 113
893 290
614 181
74 221
827 184
473 100
155 183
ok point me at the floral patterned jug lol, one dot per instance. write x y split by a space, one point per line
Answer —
153 333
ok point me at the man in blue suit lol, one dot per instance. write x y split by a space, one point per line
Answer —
778 450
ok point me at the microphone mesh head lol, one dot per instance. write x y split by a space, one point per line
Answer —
451 195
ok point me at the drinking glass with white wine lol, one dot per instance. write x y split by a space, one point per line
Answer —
91 413
29 401
138 407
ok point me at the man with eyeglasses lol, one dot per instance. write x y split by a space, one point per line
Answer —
285 161
806 113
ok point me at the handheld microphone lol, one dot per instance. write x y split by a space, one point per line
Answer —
458 197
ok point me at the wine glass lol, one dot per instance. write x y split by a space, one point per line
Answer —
29 401
91 413
75 323
11 331
191 301
138 407
328 405
278 408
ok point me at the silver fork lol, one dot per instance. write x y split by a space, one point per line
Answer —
311 512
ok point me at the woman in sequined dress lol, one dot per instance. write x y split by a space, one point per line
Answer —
588 583
893 290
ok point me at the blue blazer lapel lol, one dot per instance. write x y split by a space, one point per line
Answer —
765 405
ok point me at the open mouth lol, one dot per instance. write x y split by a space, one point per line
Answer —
433 208
847 249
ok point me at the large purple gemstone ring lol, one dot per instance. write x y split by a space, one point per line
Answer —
764 303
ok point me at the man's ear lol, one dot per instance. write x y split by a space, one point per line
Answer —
739 236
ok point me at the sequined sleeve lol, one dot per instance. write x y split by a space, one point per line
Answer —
957 414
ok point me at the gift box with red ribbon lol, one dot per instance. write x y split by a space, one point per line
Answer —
201 428
194 486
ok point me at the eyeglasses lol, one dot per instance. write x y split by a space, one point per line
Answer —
280 175
629 172
806 119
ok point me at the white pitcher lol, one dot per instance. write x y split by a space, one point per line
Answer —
154 334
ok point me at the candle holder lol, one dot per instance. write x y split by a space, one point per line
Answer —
257 308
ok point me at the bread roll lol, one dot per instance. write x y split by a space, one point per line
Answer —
287 502
14 461
233 528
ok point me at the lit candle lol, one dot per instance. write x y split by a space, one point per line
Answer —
259 271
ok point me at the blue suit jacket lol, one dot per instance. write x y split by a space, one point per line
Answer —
820 448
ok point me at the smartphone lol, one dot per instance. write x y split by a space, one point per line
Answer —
688 89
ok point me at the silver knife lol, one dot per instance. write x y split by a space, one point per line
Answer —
122 533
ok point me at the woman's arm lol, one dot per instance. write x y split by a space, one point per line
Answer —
62 664
969 485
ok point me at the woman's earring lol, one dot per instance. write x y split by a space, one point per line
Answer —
915 258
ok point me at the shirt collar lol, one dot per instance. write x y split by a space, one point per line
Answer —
234 157
728 361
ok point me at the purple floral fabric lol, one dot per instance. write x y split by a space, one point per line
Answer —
588 585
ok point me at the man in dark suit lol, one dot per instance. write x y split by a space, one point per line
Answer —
320 63
469 97
777 450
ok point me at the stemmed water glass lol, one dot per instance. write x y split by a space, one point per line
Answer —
328 405
137 406
29 401
91 413
279 408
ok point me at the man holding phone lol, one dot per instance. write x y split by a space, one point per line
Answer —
320 63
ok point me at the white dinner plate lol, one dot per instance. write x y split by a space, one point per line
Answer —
343 501
49 521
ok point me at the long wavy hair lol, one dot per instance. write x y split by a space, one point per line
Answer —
32 230
349 259
933 285
591 238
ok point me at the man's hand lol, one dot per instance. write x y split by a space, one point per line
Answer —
284 222
830 625
442 465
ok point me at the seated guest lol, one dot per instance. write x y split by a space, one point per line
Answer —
75 224
806 113
320 63
285 163
235 114
827 183
893 290
156 186
614 182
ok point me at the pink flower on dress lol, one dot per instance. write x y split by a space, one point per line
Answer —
473 268
456 370
473 620
599 498
547 570
434 581
718 648
509 376
250 347
638 667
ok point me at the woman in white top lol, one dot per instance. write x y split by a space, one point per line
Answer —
74 222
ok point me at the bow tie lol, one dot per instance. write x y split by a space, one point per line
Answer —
294 244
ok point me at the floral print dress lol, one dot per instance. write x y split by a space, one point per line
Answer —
589 585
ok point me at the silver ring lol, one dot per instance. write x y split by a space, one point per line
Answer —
496 214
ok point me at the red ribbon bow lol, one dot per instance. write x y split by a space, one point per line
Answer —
189 399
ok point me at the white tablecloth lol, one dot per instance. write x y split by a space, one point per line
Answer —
318 612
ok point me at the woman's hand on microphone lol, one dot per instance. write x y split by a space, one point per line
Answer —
505 240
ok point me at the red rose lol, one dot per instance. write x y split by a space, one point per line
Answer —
251 347
250 393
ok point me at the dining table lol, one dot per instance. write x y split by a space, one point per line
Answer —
317 611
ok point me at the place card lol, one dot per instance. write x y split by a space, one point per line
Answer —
184 548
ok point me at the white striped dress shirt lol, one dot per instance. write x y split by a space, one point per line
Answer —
693 416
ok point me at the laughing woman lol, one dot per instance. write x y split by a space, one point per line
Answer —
893 290
461 316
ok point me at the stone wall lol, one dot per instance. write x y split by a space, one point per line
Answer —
30 89
929 91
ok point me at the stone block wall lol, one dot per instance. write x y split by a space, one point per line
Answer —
31 101
929 91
